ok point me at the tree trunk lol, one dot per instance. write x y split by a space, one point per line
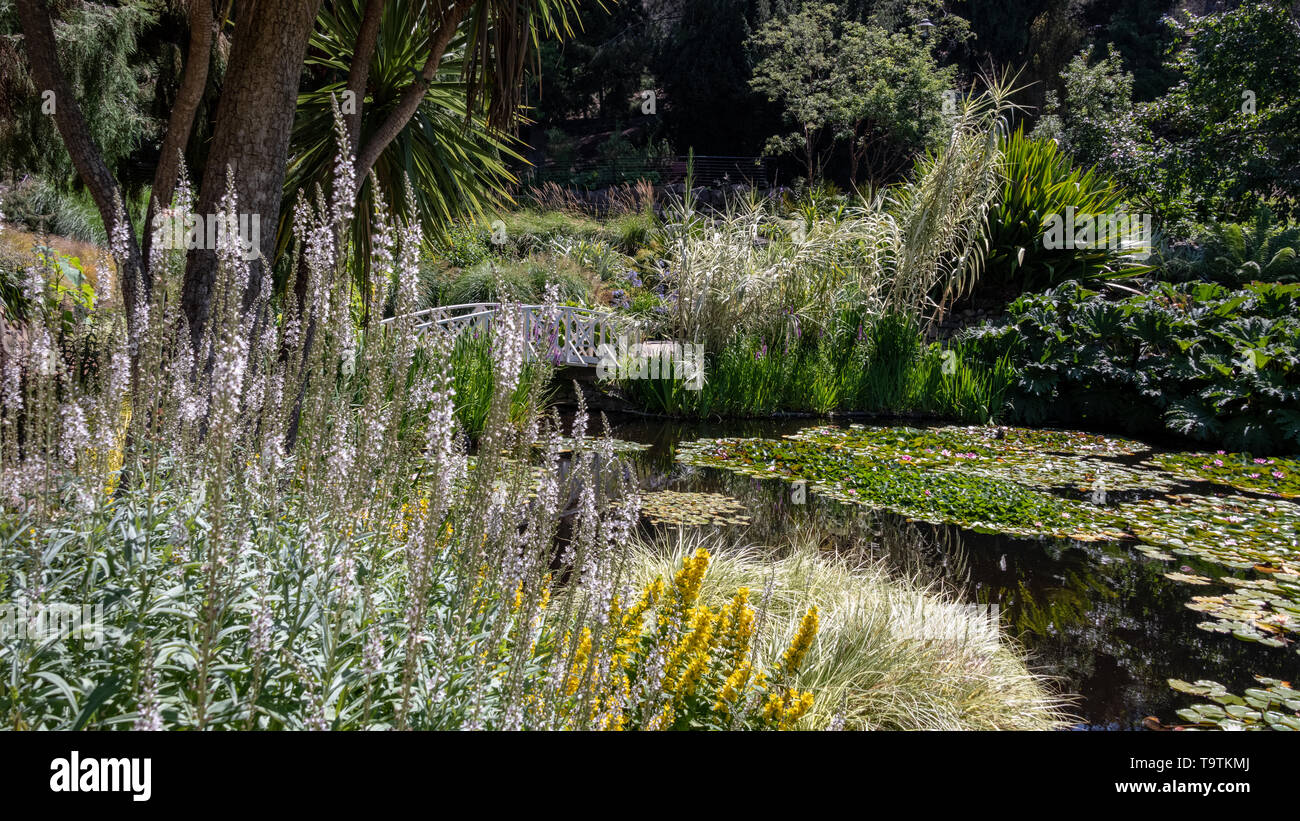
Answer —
193 80
359 70
413 95
43 58
251 139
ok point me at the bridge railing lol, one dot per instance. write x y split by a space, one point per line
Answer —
562 334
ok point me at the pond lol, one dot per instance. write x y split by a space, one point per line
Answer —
1093 551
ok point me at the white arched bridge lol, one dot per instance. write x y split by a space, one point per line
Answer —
561 334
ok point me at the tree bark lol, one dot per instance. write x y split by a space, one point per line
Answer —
251 138
43 58
181 121
359 70
413 95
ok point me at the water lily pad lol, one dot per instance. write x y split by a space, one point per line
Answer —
673 507
849 465
1188 578
1261 474
1274 706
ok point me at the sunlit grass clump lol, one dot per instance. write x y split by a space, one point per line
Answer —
889 653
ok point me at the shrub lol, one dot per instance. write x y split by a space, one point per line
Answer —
464 245
1233 253
1039 180
1194 359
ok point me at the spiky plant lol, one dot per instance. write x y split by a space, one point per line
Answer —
1039 181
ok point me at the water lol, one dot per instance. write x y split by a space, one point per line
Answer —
1099 618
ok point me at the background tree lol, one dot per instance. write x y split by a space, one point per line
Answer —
259 90
888 98
454 160
1096 106
880 93
797 68
1229 131
1222 140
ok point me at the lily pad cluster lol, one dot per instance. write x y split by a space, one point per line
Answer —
1235 531
1259 474
1037 440
1272 706
567 444
1040 459
1260 610
844 466
998 480
673 507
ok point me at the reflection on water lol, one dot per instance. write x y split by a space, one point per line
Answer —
1098 617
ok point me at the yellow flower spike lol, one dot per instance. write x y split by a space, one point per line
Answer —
688 661
772 708
580 660
733 689
687 582
664 719
802 641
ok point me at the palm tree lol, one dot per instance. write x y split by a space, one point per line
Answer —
451 156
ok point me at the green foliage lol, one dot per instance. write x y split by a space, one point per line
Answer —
1098 99
840 80
891 349
52 287
454 163
463 245
1197 359
1235 253
525 281
1040 181
1229 155
883 369
109 55
42 207
474 376
545 229
1222 140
